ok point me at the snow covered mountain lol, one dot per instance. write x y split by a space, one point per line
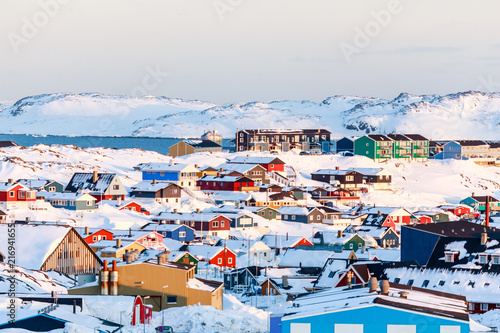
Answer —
461 115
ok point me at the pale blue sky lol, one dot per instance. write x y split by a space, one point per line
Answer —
228 51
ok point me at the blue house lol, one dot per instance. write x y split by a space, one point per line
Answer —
178 232
346 144
184 175
390 308
451 150
240 220
70 201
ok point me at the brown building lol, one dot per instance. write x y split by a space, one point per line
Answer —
149 278
193 146
167 192
50 247
116 248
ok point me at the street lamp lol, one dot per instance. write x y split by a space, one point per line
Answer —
144 315
162 301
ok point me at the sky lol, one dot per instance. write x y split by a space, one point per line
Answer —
235 51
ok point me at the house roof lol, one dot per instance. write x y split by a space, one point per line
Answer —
241 168
202 252
6 144
65 196
84 181
225 179
149 186
2 213
483 198
398 137
255 160
167 167
379 137
34 243
462 229
304 258
334 172
5 186
198 217
470 143
202 143
163 227
416 137
281 241
34 183
420 300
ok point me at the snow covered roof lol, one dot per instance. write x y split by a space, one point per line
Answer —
241 168
202 284
34 183
149 186
294 210
224 179
243 246
198 217
84 181
167 167
334 172
280 241
5 186
34 244
417 299
202 252
304 258
256 160
65 196
475 286
162 227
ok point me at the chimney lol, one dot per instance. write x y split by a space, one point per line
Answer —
221 170
484 238
284 281
339 234
87 230
198 210
10 181
373 284
384 287
487 210
118 242
473 194
403 294
28 219
154 181
130 232
113 280
337 168
175 210
218 174
287 236
129 257
95 176
196 166
379 213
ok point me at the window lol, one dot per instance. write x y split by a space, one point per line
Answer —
351 246
396 280
171 299
219 261
222 224
52 188
301 328
410 283
215 224
471 306
117 187
182 234
349 178
486 284
348 328
94 238
496 260
441 283
311 217
293 217
318 217
104 237
483 259
471 283
12 194
484 306
229 260
456 283
401 328
332 274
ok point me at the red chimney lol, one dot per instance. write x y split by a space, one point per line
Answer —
105 265
487 210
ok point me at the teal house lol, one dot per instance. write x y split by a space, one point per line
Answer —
479 203
70 201
390 308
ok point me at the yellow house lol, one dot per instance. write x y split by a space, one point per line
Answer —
168 284
116 248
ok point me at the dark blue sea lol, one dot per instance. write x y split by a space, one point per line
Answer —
160 145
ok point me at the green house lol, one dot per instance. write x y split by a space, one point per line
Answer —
401 146
377 147
420 147
267 213
184 258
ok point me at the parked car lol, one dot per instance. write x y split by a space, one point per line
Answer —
165 329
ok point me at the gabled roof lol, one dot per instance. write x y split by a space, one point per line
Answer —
163 227
198 217
333 172
149 186
379 137
167 167
202 144
65 196
225 179
255 160
416 137
483 198
6 144
471 143
84 181
462 229
241 168
283 241
35 183
398 137
2 213
6 186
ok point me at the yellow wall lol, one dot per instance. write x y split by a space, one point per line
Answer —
119 254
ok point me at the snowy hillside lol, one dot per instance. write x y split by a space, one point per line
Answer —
462 115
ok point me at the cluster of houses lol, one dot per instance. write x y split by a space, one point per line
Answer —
359 263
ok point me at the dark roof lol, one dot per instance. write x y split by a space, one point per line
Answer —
471 143
3 213
286 131
84 181
379 137
457 229
494 144
209 168
398 137
4 144
203 144
483 198
374 219
416 137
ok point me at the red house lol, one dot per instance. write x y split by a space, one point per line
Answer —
127 204
268 163
97 236
215 255
15 194
458 210
204 224
226 183
142 313
353 275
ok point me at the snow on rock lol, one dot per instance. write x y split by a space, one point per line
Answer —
474 114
